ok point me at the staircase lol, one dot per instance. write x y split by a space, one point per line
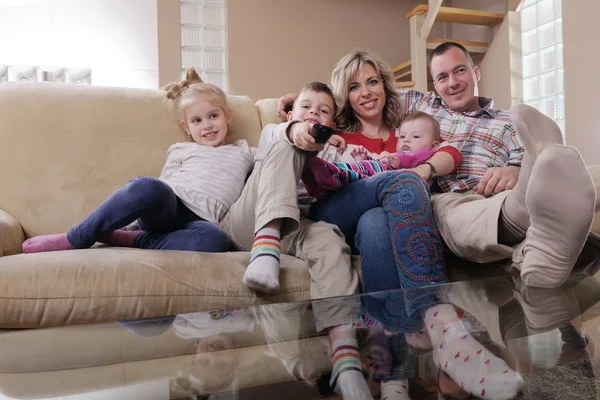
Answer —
414 73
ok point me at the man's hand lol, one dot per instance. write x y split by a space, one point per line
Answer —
359 153
299 134
497 179
285 104
337 141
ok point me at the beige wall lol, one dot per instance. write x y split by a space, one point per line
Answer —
169 40
277 46
501 68
581 62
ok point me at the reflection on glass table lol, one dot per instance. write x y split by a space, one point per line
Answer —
493 339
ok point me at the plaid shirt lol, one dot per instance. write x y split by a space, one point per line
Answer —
486 138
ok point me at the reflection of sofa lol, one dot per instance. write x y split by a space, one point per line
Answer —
63 149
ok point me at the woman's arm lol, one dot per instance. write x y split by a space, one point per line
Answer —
442 161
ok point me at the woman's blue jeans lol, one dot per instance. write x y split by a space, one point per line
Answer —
168 223
388 219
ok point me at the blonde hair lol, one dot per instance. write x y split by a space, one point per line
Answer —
343 74
415 115
184 92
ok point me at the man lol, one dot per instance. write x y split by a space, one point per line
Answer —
534 204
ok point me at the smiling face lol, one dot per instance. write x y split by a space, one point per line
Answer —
455 79
367 94
206 121
313 107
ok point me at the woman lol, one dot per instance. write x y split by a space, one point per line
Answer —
388 217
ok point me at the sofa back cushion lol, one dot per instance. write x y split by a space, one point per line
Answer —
65 148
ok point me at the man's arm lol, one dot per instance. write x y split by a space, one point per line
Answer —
499 179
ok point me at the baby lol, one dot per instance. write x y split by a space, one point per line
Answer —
418 140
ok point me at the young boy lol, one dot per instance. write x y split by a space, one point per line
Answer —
418 140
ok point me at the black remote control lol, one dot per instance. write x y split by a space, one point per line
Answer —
321 133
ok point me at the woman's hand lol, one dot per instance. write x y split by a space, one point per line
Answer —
359 153
299 134
285 104
338 141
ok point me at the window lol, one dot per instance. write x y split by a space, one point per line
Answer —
543 73
204 39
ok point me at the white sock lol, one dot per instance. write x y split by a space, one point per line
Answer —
474 368
262 273
351 385
395 390
346 377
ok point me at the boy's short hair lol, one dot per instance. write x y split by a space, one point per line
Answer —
415 115
318 87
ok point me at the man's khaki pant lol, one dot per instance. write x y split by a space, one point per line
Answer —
271 193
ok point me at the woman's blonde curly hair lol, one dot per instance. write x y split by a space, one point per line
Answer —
343 75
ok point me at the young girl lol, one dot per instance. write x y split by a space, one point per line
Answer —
181 209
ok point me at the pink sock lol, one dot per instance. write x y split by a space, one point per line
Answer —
38 244
473 367
121 238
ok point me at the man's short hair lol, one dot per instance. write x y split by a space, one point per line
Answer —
412 116
444 47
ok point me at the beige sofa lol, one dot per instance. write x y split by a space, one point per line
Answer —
63 149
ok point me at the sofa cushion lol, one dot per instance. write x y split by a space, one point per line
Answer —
267 109
109 284
65 148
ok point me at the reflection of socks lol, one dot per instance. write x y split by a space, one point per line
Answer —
394 390
347 378
121 238
42 243
262 273
474 368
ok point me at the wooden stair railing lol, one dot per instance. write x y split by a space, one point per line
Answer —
421 20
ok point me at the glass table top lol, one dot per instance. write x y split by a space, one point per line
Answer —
511 340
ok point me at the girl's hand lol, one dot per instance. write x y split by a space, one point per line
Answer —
337 141
299 134
359 153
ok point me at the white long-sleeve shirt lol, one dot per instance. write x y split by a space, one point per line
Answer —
208 180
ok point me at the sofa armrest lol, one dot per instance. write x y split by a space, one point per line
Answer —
11 235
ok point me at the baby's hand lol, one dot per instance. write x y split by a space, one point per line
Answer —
359 153
337 141
390 159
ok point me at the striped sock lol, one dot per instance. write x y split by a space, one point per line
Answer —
347 378
262 273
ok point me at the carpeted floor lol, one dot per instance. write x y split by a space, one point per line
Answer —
574 381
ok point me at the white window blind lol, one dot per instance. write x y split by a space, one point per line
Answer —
204 39
543 72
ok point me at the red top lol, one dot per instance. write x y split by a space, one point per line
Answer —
378 146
